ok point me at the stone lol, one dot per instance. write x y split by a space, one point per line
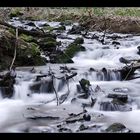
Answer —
122 97
86 117
84 85
138 49
79 40
117 127
76 29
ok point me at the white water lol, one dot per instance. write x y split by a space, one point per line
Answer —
12 110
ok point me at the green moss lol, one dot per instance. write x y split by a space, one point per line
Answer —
61 28
47 39
79 40
51 44
84 84
63 59
39 61
13 31
48 28
26 38
69 53
115 127
73 49
66 22
16 13
34 49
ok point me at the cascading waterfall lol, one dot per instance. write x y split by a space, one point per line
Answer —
105 75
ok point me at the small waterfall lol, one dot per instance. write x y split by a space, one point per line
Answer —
109 75
22 91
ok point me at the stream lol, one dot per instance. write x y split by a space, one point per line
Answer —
19 113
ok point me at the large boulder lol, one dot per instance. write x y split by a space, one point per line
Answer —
48 44
68 54
117 127
29 56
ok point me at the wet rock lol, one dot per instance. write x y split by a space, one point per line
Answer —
116 43
61 28
7 85
114 37
79 40
74 119
82 127
91 69
65 130
117 127
125 61
86 117
7 92
85 85
106 47
29 56
73 48
114 105
66 22
121 97
70 51
83 96
138 49
76 29
48 44
30 24
61 36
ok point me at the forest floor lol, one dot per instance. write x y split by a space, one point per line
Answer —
121 20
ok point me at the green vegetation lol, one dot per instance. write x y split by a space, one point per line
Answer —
69 53
26 38
15 13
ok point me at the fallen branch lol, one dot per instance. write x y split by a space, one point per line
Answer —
15 52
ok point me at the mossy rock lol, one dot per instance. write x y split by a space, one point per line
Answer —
46 39
61 28
68 54
27 38
48 28
66 22
73 48
63 59
29 56
84 84
79 40
48 44
115 127
16 13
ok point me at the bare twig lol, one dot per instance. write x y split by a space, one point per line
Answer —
15 52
